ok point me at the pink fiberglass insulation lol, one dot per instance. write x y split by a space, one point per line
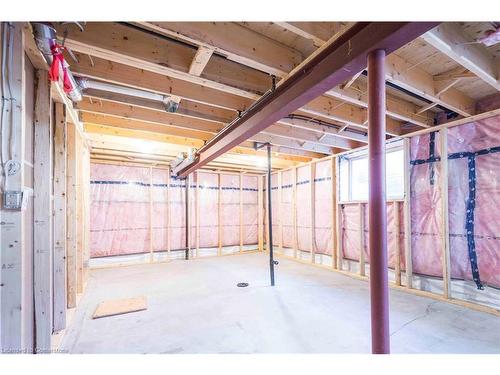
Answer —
350 231
304 207
160 209
177 213
250 199
426 212
286 214
230 209
471 138
208 196
350 223
119 214
323 208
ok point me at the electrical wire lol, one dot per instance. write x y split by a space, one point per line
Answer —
3 75
8 165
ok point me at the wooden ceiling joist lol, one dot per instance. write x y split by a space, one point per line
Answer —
133 47
186 107
419 82
234 47
416 80
449 39
132 77
150 111
197 110
237 42
112 144
396 108
120 117
331 66
280 160
318 32
277 135
148 77
122 74
200 60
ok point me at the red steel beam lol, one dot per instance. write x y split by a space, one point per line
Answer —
377 216
332 65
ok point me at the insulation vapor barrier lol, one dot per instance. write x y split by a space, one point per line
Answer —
353 242
141 210
473 155
473 189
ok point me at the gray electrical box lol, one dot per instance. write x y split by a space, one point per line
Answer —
12 200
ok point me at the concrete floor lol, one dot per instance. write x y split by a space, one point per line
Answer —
195 307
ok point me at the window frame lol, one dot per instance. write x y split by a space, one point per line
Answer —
390 148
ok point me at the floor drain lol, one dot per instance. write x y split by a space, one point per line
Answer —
242 285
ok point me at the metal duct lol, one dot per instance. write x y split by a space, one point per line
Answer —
170 102
45 38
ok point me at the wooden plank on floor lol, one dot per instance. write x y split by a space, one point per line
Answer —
42 230
59 318
120 306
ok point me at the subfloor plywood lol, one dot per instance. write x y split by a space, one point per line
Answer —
195 307
120 306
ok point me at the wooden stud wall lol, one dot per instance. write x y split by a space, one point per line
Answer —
13 269
333 172
219 229
295 224
280 212
43 151
361 208
260 202
397 230
445 228
407 215
197 213
150 215
71 212
85 183
241 212
59 319
337 261
313 212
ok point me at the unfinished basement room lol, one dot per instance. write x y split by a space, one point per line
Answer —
215 187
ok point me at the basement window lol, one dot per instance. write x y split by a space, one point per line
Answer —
353 176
